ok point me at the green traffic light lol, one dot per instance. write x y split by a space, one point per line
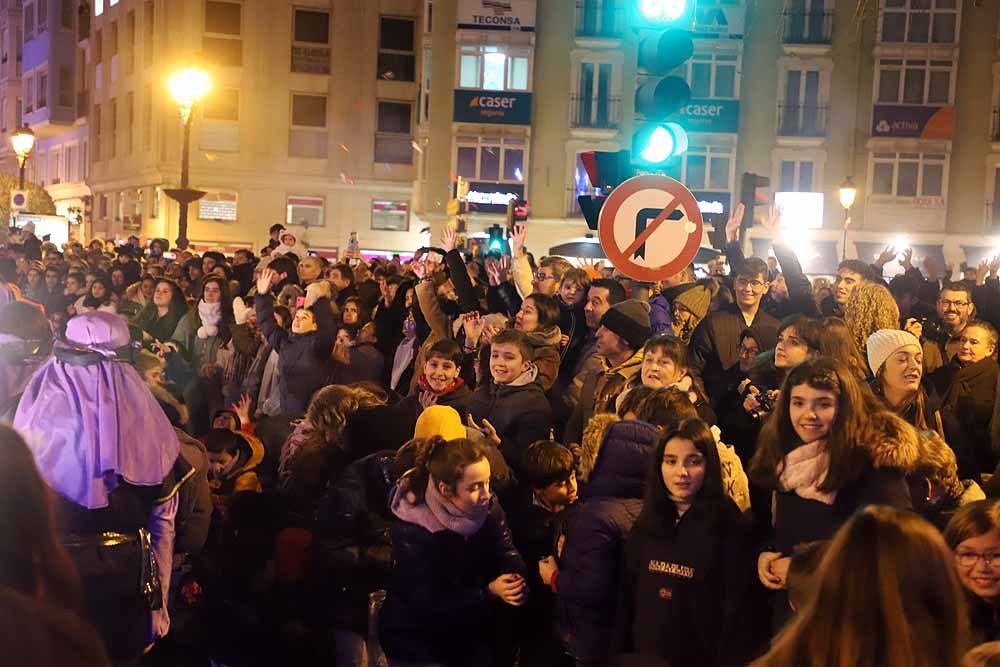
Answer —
657 143
662 10
659 147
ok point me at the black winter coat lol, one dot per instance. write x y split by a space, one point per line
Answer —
590 568
302 358
969 393
460 399
438 607
520 413
684 586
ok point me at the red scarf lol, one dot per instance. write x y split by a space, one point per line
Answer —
425 386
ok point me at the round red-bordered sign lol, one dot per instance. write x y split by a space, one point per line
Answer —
635 225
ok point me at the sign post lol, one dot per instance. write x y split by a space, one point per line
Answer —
650 227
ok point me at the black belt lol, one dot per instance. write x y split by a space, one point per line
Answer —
106 539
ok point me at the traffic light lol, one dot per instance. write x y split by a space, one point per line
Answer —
517 212
749 196
654 144
606 170
661 13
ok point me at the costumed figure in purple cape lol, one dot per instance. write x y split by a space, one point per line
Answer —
103 444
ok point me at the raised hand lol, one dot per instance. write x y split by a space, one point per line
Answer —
473 325
427 399
517 238
734 222
264 282
887 255
449 238
773 219
242 408
906 259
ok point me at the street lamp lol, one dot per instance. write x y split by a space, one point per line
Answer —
23 142
848 192
187 86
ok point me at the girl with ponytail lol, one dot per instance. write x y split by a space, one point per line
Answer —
454 558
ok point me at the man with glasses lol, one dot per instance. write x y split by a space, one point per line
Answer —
716 340
968 387
954 310
546 279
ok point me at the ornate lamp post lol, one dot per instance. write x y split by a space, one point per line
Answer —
187 86
23 142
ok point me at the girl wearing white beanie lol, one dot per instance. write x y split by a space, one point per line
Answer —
896 359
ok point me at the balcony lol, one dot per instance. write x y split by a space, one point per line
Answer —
802 120
603 19
814 27
596 113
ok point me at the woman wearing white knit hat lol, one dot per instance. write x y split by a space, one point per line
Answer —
896 359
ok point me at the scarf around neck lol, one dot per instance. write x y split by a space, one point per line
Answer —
425 386
210 315
804 469
436 513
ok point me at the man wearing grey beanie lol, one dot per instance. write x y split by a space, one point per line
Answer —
623 332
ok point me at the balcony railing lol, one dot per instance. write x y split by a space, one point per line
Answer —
600 18
801 120
815 27
603 113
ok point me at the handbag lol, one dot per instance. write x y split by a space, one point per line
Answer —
149 579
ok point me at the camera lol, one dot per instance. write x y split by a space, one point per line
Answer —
931 329
764 397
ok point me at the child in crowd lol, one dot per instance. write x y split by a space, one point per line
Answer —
233 459
440 383
514 403
572 297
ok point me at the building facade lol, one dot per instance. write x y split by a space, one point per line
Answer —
804 92
336 116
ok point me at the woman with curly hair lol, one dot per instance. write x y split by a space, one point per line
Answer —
870 307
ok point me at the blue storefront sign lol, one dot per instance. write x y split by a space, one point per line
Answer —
487 106
894 120
710 116
713 21
492 197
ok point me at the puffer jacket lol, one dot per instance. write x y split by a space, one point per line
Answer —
519 412
590 568
438 605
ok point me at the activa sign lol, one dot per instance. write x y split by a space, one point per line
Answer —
507 15
476 106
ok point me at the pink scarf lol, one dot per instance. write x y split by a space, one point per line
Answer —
436 512
804 469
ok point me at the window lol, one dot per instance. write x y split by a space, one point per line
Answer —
147 118
920 82
130 121
425 89
920 21
796 176
223 105
65 86
704 168
130 38
594 105
98 7
397 60
43 90
66 11
391 216
598 18
29 94
3 114
104 206
222 43
43 15
70 164
84 160
18 113
713 75
308 116
393 133
492 160
113 126
995 204
310 47
114 38
29 22
98 47
218 207
98 127
801 113
148 31
494 68
304 211
308 110
908 174
55 164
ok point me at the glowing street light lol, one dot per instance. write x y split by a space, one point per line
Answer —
188 86
848 193
23 142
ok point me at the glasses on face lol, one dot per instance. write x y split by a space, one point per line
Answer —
947 303
970 558
543 276
749 351
756 285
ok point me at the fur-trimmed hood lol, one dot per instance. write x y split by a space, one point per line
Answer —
542 337
593 435
892 442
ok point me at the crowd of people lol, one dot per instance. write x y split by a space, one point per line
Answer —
467 457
